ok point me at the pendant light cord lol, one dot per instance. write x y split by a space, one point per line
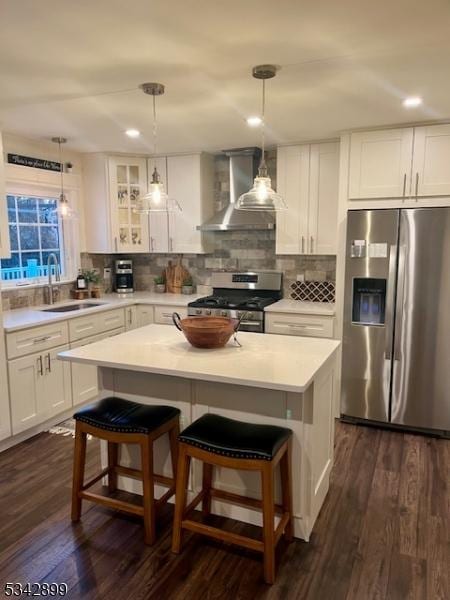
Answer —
61 168
155 129
262 165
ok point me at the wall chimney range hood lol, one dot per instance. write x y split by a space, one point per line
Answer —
243 167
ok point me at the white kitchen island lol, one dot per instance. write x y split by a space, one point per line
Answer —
274 379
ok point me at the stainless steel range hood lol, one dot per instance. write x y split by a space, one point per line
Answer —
243 168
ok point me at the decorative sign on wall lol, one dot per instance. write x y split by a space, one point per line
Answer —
37 163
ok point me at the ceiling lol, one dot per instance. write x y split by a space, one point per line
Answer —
73 68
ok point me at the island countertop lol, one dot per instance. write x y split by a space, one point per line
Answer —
276 362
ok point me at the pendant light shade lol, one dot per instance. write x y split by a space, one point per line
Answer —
65 211
261 196
156 199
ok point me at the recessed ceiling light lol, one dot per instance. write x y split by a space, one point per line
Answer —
412 102
133 133
254 121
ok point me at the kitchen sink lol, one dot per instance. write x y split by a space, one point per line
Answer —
72 307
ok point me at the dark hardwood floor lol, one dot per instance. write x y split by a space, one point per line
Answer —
383 532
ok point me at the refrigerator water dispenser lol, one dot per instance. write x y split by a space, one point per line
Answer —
369 301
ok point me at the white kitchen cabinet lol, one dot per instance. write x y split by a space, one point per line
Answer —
403 166
130 318
301 325
144 315
431 160
189 179
307 178
380 163
39 388
4 228
85 377
159 221
112 186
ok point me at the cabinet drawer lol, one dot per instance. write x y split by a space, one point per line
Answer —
36 339
96 323
144 315
163 314
303 325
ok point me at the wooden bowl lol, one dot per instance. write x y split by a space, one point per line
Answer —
206 332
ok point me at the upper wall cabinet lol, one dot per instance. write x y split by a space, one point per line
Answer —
113 185
189 179
406 163
380 163
4 229
307 178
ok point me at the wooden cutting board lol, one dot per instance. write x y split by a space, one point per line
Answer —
175 275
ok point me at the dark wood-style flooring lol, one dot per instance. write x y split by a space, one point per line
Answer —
383 532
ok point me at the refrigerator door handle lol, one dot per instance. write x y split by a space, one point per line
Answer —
399 307
390 303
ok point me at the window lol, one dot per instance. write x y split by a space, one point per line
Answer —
35 232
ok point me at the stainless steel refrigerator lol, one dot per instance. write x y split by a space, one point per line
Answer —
396 342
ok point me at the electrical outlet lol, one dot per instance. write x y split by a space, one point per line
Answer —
107 273
300 277
288 413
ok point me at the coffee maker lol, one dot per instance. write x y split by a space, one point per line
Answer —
123 276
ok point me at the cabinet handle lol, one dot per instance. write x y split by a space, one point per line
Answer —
404 185
170 245
130 320
152 244
41 339
417 186
48 367
40 366
311 245
115 244
303 244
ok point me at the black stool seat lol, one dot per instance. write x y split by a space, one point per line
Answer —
236 439
124 416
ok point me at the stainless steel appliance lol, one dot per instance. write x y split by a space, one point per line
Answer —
396 344
237 295
123 276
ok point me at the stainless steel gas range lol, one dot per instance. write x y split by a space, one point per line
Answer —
240 294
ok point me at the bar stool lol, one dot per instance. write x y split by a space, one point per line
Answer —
218 441
120 421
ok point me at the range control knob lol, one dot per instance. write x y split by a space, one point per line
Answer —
224 313
207 311
198 311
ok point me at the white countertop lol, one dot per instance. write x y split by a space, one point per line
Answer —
277 362
22 318
302 308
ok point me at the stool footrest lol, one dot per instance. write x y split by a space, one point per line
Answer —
193 503
224 536
137 474
113 503
238 499
95 479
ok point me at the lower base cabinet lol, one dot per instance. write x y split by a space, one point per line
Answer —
39 387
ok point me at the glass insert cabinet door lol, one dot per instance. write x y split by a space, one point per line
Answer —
128 181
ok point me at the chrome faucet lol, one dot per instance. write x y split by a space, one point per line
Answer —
52 292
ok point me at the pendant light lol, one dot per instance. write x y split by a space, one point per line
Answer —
65 211
156 199
262 196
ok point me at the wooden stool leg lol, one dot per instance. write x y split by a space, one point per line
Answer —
113 454
286 490
184 461
79 462
148 490
268 504
206 485
173 440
